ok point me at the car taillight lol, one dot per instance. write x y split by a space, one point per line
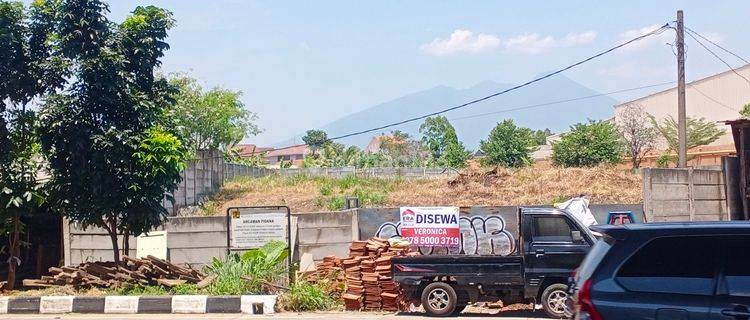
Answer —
585 304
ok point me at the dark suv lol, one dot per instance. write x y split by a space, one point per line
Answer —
666 271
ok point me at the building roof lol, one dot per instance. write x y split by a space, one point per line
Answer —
249 149
293 150
699 81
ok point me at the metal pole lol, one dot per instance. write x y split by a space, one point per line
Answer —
681 117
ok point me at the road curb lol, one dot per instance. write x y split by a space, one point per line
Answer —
185 304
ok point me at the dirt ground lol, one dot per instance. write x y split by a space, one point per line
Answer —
538 185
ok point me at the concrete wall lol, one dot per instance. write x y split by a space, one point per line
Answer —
196 240
684 195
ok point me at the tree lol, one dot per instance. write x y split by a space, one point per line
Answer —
588 144
27 71
540 136
639 136
213 119
699 132
315 139
440 138
508 145
400 150
112 159
745 112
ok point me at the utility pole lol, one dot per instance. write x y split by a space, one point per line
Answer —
681 117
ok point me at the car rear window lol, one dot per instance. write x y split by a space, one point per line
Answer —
736 265
592 260
681 265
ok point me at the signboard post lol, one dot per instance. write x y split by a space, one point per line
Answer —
251 227
431 226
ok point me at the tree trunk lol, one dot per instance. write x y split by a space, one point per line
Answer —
126 242
14 251
112 230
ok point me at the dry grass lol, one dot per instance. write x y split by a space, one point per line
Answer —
537 185
58 291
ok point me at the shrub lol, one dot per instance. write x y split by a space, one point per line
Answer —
237 275
305 296
588 144
508 145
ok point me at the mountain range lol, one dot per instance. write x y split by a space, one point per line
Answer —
474 122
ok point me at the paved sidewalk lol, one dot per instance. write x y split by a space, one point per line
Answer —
278 316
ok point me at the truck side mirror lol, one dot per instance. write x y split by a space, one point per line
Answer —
576 235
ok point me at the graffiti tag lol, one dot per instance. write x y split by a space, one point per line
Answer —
483 235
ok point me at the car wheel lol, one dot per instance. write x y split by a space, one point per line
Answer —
439 299
555 301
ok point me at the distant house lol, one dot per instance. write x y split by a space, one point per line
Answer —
248 150
295 154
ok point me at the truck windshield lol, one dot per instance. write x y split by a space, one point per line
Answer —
592 260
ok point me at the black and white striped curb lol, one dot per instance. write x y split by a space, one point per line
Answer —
250 304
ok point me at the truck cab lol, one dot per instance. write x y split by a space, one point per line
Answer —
551 244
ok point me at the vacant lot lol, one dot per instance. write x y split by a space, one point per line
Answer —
526 186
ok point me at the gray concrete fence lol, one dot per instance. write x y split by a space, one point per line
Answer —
684 195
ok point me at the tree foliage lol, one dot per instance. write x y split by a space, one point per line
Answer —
588 144
209 119
440 138
315 139
637 133
28 69
745 112
540 136
699 132
111 159
508 145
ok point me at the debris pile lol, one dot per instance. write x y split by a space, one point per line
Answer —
148 271
367 272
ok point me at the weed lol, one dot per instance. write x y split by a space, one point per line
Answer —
187 288
237 275
326 190
305 296
336 203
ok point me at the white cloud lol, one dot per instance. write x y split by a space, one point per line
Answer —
534 43
462 41
667 36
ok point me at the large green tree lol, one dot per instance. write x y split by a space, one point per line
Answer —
27 71
315 139
588 144
112 159
508 145
439 137
210 119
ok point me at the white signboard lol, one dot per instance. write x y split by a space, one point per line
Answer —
153 243
253 230
431 226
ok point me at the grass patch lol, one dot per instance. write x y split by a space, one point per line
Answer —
305 296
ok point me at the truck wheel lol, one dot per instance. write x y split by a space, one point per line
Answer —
439 299
554 301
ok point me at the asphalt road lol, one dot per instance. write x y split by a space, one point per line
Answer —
279 316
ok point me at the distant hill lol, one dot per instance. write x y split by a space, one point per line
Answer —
557 117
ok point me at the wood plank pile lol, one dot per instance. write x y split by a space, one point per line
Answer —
367 272
147 271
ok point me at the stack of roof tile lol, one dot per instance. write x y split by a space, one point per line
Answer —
369 282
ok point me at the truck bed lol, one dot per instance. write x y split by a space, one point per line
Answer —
489 270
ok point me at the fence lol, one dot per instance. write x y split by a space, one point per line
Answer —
684 195
196 240
404 172
202 178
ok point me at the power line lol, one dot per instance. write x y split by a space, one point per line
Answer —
717 45
656 31
718 57
562 101
653 32
692 86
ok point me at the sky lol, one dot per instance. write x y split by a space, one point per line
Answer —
302 64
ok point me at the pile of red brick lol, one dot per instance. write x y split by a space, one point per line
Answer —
367 271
